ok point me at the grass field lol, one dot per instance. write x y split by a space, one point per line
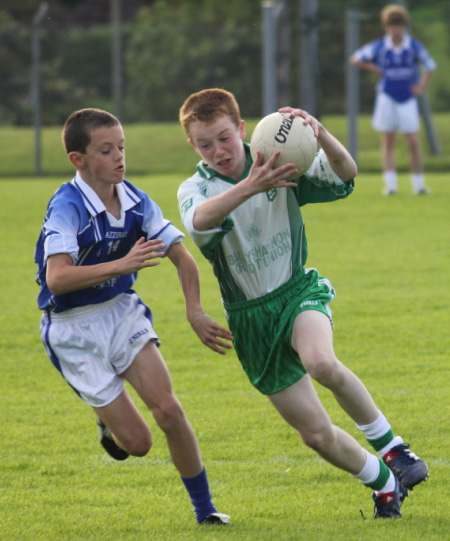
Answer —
160 148
388 259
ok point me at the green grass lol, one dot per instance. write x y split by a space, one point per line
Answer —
161 148
388 259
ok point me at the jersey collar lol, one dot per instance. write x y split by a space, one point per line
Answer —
93 202
406 43
208 173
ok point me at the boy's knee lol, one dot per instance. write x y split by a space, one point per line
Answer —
139 445
169 414
324 369
320 439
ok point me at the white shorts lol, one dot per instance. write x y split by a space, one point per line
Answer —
391 116
92 345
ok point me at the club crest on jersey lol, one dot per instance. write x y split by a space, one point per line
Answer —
271 194
253 232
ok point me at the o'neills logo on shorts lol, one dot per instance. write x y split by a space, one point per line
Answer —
137 335
308 303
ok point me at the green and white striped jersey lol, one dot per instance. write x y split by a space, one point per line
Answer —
262 243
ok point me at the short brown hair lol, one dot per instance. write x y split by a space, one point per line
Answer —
394 14
80 124
207 105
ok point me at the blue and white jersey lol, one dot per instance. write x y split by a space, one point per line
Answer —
77 223
400 65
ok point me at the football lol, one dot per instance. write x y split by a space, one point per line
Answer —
295 141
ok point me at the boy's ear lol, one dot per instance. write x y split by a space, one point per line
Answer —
242 130
193 145
77 159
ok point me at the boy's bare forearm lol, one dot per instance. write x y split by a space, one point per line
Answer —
189 279
263 176
338 156
64 277
214 210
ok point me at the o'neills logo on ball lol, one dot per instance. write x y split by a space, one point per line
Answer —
285 128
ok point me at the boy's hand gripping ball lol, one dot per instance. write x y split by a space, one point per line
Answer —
295 141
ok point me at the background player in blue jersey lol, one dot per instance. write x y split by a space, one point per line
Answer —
98 232
396 58
246 220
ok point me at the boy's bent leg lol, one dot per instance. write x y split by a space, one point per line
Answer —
149 375
312 338
127 426
300 406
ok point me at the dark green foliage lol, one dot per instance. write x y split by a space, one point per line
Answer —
174 47
183 51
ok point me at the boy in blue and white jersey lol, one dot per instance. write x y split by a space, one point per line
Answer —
396 57
246 220
98 232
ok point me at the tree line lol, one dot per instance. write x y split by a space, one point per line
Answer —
171 48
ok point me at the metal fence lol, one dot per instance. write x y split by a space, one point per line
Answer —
159 66
77 67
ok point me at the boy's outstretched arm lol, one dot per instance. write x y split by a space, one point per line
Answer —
210 333
263 176
63 276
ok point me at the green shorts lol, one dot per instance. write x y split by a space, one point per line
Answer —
262 329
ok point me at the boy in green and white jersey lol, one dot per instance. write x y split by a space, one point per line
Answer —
245 218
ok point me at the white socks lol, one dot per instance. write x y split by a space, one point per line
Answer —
418 182
376 429
380 435
390 181
371 471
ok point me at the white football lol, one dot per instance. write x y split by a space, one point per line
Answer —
295 141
